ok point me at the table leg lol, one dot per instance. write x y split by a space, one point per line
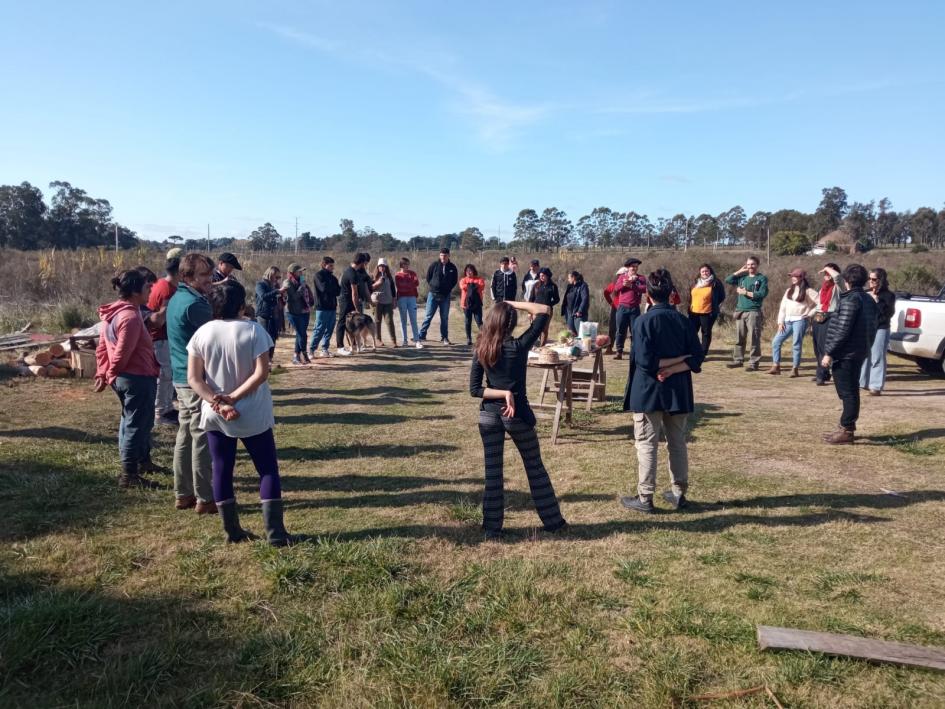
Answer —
566 380
544 386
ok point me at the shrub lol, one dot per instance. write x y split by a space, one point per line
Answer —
919 249
790 243
66 318
915 278
832 247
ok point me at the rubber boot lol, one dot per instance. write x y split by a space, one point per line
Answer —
795 372
775 369
275 527
231 523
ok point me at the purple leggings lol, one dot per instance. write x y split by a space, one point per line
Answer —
261 448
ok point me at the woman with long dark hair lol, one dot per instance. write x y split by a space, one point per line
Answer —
228 367
705 303
125 361
502 359
798 303
873 374
384 298
577 299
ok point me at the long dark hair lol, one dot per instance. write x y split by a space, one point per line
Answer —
499 323
883 279
801 293
470 266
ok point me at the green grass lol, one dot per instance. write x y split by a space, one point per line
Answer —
110 598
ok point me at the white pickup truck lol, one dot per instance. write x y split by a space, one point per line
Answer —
918 331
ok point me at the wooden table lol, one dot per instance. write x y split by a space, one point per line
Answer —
561 372
591 384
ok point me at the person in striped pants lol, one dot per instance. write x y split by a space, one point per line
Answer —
501 360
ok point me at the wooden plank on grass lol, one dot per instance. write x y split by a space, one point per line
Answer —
771 638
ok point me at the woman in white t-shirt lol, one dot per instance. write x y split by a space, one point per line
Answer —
228 367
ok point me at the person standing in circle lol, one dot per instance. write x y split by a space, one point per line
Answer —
268 304
408 284
577 299
752 288
349 300
501 359
873 374
705 304
326 303
384 298
471 290
442 277
228 368
797 305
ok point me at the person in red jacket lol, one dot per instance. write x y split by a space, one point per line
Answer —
125 361
612 323
471 290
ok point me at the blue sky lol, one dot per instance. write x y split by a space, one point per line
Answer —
428 117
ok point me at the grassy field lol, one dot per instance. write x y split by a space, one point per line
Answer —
113 598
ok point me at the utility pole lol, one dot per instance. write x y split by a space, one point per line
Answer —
116 236
208 238
768 239
296 235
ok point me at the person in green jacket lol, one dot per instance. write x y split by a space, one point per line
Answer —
752 289
187 310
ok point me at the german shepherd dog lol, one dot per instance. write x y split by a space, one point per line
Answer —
357 328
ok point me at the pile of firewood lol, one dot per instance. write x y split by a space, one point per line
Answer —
53 362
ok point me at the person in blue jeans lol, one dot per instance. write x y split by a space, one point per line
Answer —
298 307
798 304
407 288
873 372
442 277
327 290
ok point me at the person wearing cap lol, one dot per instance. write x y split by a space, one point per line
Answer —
530 279
798 303
612 320
298 304
752 288
269 296
226 264
326 304
504 282
442 277
629 291
384 298
161 294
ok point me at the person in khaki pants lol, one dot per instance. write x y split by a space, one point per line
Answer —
659 392
187 310
752 289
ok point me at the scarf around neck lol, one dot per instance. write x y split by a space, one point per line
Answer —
703 282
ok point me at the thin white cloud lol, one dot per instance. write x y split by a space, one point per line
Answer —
495 121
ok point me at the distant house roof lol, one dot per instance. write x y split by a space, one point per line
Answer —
842 238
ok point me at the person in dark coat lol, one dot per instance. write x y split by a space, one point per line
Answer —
442 277
545 292
504 282
268 306
577 299
664 354
850 336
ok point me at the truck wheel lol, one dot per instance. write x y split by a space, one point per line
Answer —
933 367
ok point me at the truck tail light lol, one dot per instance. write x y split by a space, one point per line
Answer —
913 317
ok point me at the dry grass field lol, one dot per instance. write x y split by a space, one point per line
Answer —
113 598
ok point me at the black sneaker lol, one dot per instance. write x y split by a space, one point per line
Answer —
735 365
638 505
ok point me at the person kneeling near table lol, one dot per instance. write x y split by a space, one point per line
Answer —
665 352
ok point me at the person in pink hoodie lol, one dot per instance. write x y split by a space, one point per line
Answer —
126 362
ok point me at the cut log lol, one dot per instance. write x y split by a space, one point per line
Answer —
57 350
57 372
770 638
37 370
61 363
40 359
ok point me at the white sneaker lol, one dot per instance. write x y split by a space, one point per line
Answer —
419 345
446 341
344 352
326 353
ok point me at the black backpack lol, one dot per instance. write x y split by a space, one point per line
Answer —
473 299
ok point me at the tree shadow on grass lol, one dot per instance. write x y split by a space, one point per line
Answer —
357 450
60 433
38 497
400 368
380 399
878 501
514 499
355 418
889 438
400 392
357 483
704 413
913 392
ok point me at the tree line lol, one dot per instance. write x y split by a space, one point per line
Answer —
73 219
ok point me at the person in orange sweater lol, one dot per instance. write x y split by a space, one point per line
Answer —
125 361
471 289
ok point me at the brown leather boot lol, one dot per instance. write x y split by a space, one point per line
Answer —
795 372
185 502
775 369
206 508
840 437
